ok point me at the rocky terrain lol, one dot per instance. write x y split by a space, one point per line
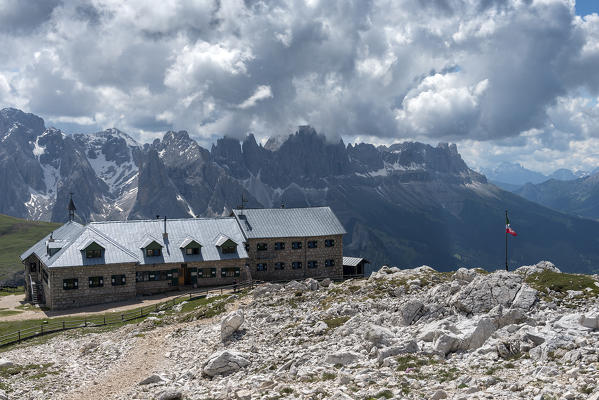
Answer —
403 334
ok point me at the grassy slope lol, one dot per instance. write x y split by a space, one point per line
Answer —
16 236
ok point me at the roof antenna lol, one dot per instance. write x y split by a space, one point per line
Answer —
243 201
72 208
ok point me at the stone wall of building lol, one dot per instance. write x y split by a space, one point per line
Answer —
197 280
289 255
58 298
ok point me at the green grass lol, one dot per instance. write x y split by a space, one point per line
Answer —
10 292
333 323
561 283
5 313
17 235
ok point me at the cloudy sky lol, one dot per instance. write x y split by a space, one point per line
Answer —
513 80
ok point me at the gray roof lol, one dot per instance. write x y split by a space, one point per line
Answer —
288 222
123 241
353 261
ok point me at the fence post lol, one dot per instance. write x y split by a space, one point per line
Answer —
104 319
19 336
122 317
42 328
85 321
141 314
63 325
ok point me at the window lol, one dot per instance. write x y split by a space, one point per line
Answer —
70 284
261 267
207 272
32 267
228 249
279 245
261 246
312 244
45 275
93 253
118 280
329 243
153 276
192 250
52 251
141 276
312 264
280 265
296 265
153 252
296 245
229 272
96 281
329 263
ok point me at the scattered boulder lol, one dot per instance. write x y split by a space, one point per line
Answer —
408 347
3 395
266 288
4 363
326 282
343 358
171 394
230 323
311 284
590 320
320 327
224 363
151 380
296 286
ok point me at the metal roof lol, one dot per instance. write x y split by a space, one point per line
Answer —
353 261
122 240
187 241
288 222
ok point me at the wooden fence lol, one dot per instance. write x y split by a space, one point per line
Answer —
47 327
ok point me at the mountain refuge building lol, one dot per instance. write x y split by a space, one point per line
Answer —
101 262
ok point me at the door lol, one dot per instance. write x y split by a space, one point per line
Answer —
182 274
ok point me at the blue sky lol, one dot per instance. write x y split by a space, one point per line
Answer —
585 7
503 79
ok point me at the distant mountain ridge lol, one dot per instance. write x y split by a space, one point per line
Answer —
407 204
512 176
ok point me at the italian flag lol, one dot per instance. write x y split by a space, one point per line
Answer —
507 227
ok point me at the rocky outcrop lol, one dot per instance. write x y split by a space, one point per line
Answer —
224 363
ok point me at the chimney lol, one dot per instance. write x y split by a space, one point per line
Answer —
165 233
71 208
282 205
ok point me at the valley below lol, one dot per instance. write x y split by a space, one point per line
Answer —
403 334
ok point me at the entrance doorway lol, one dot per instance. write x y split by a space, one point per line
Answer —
183 273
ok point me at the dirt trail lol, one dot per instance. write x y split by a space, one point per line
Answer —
144 359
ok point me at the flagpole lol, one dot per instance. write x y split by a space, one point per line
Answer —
506 266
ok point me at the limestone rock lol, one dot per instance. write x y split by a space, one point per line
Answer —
590 320
536 268
464 274
151 379
296 286
4 363
343 358
230 323
171 394
224 363
410 312
485 292
311 284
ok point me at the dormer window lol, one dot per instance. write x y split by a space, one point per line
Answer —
226 244
92 249
190 247
152 248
